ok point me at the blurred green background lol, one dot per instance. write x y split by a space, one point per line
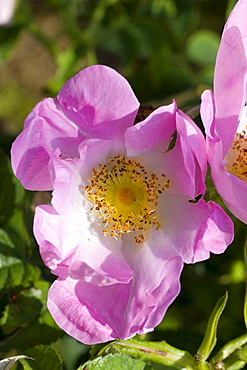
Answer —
166 49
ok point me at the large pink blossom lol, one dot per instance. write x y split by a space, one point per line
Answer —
224 115
127 207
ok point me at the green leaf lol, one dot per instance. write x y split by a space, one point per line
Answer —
7 363
202 47
16 273
210 337
115 362
157 352
45 357
72 351
237 360
30 335
20 312
13 270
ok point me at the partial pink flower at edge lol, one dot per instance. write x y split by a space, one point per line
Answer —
224 115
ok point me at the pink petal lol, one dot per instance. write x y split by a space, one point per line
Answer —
186 225
100 262
207 111
150 139
229 85
70 175
73 317
230 98
46 128
70 245
159 126
215 234
57 236
103 97
132 308
99 259
171 163
193 150
157 268
238 18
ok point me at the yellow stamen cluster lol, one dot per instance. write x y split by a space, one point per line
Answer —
125 195
237 156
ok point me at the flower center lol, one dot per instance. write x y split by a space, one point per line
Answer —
237 155
125 195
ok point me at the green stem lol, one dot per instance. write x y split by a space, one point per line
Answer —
229 348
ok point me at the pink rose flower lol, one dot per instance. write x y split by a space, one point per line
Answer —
127 207
224 115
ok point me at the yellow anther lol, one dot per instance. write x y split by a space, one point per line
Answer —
237 156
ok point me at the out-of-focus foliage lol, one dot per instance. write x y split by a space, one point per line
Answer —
166 49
